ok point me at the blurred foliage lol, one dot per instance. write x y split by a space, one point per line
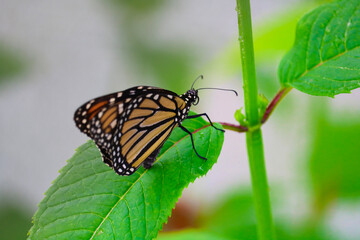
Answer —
138 6
15 221
334 163
11 64
272 38
192 234
172 67
232 217
170 64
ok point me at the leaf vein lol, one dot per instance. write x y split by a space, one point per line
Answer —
130 230
78 198
80 180
143 190
122 197
78 229
348 25
62 218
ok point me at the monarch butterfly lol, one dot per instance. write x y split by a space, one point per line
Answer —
131 126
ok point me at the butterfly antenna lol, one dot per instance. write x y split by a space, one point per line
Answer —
201 76
222 89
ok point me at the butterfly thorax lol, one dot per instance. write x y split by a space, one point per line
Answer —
190 98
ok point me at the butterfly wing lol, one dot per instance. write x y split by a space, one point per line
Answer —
146 125
128 126
99 117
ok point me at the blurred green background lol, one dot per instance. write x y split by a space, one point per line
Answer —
56 55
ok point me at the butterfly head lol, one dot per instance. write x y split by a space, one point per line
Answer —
191 96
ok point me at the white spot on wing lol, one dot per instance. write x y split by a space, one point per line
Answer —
121 108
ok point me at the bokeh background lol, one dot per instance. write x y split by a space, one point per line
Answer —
55 55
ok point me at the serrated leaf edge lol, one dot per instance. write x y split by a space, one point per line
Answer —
140 176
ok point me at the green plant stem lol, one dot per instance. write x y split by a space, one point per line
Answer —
254 140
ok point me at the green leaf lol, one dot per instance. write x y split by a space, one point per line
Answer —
90 201
263 103
240 117
325 59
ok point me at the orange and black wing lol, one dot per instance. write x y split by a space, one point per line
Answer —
144 128
100 117
128 126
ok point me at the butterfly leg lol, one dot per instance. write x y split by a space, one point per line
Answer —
204 114
192 140
147 164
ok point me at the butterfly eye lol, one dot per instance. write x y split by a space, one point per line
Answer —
196 102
